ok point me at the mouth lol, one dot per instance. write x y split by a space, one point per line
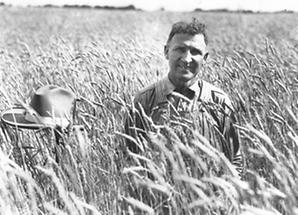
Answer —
185 69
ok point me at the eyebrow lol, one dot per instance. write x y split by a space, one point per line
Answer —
191 48
197 50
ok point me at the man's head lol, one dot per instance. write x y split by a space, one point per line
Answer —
186 51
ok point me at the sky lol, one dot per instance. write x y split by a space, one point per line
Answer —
176 5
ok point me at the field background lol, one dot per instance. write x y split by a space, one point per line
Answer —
107 56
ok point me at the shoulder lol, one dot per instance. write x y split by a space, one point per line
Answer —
145 93
212 93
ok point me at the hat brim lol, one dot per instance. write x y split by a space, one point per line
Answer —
16 117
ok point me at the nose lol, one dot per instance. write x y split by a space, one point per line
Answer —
187 56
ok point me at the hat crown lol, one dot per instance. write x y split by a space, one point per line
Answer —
52 101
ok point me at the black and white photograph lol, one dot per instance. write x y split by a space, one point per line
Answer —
148 107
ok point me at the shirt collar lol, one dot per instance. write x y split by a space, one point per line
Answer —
167 87
196 87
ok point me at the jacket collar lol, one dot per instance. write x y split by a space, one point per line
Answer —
165 87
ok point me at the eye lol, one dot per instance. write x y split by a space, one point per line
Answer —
195 51
180 49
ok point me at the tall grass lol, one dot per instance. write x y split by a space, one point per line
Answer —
105 57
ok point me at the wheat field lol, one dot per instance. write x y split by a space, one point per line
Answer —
105 57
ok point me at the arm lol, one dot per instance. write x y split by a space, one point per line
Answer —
226 119
232 139
133 127
232 136
136 123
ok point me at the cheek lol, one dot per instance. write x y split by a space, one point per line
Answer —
199 60
174 56
173 59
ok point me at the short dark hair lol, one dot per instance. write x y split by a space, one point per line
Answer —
192 28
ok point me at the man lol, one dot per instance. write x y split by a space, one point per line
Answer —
182 94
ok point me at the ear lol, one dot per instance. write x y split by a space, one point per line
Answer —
206 56
166 51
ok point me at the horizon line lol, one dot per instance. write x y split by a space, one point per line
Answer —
86 6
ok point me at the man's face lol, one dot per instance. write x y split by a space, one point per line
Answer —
186 54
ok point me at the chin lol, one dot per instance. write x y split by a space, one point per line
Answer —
183 81
187 77
187 81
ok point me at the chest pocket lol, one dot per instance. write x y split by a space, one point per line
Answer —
179 114
175 109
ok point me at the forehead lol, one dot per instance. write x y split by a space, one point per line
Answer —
182 39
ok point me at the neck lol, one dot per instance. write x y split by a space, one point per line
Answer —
183 84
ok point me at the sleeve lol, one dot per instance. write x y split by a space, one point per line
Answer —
231 144
135 126
232 138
